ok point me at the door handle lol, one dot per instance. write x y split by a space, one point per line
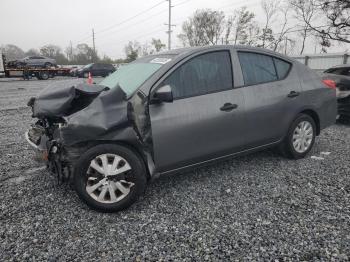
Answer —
293 94
227 107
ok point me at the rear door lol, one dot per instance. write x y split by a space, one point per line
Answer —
271 90
205 120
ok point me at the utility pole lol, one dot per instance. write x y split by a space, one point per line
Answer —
169 26
93 43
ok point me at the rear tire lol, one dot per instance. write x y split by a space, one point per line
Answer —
300 137
114 191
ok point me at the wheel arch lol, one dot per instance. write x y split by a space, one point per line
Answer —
313 114
138 152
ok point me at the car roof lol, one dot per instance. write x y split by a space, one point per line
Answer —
192 50
177 55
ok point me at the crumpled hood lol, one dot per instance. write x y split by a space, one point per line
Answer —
63 101
107 113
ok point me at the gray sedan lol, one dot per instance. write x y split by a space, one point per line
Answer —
37 61
176 110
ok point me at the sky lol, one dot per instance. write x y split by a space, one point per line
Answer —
34 23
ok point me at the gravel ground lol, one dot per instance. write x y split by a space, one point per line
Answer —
257 207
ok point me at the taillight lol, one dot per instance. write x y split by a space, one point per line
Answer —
330 83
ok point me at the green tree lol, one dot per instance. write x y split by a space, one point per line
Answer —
132 51
84 54
203 28
157 44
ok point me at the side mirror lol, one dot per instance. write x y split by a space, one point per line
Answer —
163 94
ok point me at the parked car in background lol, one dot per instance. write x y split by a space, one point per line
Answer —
341 77
33 61
96 69
73 71
176 110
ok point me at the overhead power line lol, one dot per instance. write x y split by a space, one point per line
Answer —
137 23
130 18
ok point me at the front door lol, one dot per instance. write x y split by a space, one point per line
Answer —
206 118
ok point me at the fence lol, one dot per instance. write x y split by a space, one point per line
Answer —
322 62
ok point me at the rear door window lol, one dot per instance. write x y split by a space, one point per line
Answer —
257 68
203 74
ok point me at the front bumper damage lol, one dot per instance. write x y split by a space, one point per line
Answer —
48 152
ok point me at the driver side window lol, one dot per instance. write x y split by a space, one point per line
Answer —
203 74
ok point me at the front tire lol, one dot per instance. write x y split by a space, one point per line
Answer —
109 178
300 137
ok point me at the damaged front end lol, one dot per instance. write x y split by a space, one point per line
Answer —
48 150
73 119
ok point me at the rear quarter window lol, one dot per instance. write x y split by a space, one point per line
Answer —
282 68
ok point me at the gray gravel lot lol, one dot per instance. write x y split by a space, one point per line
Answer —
257 207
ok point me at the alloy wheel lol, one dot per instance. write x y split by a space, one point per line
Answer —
107 178
302 136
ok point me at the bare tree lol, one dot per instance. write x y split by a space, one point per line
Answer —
84 54
229 25
305 14
253 31
337 14
240 23
55 52
333 21
12 52
203 28
146 49
282 34
270 8
50 50
69 51
32 52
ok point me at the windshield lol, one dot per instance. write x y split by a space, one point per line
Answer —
130 77
87 66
